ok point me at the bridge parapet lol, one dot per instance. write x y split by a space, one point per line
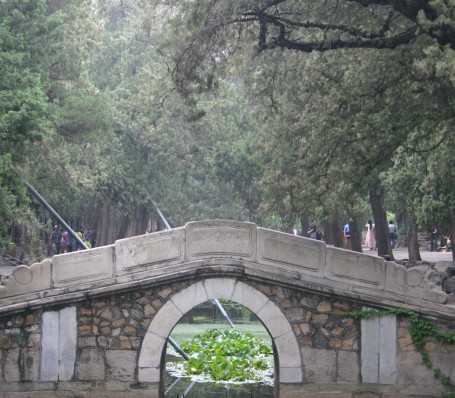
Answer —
261 253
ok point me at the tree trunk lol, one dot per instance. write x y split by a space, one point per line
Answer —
138 224
356 236
106 225
411 239
328 232
380 220
452 233
304 224
287 222
123 227
335 231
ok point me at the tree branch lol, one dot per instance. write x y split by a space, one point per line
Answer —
324 45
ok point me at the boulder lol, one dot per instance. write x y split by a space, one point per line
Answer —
449 285
441 266
436 277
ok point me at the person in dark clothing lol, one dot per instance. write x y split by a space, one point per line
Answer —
54 240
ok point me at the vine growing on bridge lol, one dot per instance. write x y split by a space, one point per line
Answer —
420 330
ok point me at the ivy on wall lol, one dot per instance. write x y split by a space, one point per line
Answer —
420 330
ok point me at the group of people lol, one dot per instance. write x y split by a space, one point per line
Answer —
445 243
370 238
314 232
60 241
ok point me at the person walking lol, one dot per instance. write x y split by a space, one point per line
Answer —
312 231
433 240
54 240
347 236
392 234
370 239
65 242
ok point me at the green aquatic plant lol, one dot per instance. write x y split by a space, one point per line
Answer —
227 355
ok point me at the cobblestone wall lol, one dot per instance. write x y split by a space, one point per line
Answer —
110 331
20 338
328 339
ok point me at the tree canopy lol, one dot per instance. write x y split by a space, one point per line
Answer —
269 111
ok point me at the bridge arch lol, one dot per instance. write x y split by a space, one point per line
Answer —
288 361
301 290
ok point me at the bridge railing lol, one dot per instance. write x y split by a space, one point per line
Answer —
263 253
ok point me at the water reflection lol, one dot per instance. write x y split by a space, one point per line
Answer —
185 387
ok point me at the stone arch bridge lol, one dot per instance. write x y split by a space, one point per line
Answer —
95 323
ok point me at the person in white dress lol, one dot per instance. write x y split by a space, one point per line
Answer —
370 240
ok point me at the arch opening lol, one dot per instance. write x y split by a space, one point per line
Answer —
231 355
288 363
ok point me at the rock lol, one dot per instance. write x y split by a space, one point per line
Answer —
441 266
436 277
449 285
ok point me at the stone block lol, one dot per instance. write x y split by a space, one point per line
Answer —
449 285
90 365
273 319
67 342
58 344
249 297
11 365
85 266
151 350
219 238
388 349
30 363
441 266
290 375
348 367
121 365
288 350
26 279
445 361
379 347
219 288
34 340
197 293
320 365
150 251
411 283
148 375
165 319
290 252
49 346
412 371
355 268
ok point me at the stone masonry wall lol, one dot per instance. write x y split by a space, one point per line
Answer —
411 369
329 340
110 331
20 338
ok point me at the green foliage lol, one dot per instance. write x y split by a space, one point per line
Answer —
445 380
27 33
120 103
227 355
